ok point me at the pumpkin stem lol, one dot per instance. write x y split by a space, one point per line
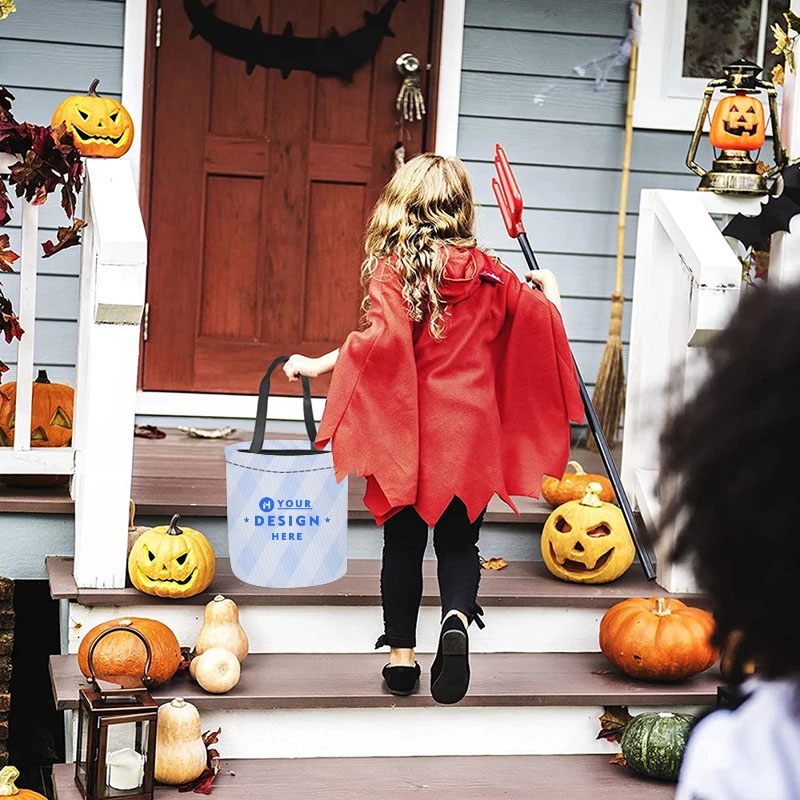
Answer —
591 495
219 598
577 467
7 777
661 609
42 377
173 529
178 702
93 88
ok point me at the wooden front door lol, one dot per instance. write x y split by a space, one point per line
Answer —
260 190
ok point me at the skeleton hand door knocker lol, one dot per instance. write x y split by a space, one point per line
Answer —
410 102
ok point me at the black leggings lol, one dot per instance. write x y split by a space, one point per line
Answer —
405 536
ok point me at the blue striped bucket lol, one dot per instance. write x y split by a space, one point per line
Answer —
287 515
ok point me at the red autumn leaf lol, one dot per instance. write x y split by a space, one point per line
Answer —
68 236
201 784
619 759
613 721
148 432
5 204
494 563
211 737
7 255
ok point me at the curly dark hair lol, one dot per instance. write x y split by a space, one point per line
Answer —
733 451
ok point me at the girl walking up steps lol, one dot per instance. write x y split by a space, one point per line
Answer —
460 387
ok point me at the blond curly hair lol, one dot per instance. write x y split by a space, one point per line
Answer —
426 205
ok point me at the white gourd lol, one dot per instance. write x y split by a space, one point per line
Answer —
217 670
221 628
181 755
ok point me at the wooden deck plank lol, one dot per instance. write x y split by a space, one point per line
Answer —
522 583
187 476
572 777
352 680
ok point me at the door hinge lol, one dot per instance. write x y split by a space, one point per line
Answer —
146 322
158 27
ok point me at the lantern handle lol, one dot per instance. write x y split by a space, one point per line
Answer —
146 678
778 153
698 127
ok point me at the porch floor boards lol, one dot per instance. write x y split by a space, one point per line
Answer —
180 475
573 777
521 583
352 680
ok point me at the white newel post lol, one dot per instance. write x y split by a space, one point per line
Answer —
112 287
784 262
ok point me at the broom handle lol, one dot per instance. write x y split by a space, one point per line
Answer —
602 443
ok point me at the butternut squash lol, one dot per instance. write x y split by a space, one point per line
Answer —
181 755
217 670
221 628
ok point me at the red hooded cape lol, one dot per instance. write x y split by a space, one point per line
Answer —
485 410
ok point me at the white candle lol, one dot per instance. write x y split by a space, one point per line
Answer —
124 769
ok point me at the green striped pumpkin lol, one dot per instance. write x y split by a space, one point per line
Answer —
653 743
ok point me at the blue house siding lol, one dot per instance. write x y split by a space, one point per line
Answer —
50 49
565 139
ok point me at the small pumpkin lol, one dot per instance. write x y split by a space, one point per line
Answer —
217 670
738 123
8 787
181 755
101 126
51 413
221 628
653 744
587 540
168 561
658 638
121 657
572 485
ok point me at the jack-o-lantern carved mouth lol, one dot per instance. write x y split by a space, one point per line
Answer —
89 137
741 130
578 566
184 582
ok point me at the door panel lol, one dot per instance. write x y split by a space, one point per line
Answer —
261 188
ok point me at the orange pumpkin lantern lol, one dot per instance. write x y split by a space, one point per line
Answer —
101 126
657 639
738 123
51 413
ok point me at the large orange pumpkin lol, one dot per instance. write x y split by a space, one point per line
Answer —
51 413
120 655
738 123
8 788
572 485
657 638
101 126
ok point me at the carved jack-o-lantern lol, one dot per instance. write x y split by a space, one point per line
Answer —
587 540
101 126
738 123
169 561
51 413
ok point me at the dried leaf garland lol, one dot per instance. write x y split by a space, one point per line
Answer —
7 255
783 45
68 236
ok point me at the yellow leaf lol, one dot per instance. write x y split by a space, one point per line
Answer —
6 8
618 759
494 563
778 75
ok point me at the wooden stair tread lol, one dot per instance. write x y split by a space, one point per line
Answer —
352 680
573 777
521 583
179 475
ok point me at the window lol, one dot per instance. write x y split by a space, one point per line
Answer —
685 43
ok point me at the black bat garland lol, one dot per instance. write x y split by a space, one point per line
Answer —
334 55
775 215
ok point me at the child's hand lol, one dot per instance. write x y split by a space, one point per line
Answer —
543 278
301 365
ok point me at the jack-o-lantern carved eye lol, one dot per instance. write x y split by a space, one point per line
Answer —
38 435
562 526
84 114
599 530
113 116
60 419
150 555
182 559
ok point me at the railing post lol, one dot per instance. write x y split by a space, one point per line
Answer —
112 287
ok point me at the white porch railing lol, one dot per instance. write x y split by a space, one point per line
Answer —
112 284
686 286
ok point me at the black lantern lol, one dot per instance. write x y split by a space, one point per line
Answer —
116 735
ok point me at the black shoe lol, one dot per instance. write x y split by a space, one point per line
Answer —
450 668
401 680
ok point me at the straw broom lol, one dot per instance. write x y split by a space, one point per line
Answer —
609 391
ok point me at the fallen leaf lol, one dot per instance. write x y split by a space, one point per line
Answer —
68 236
619 759
148 432
613 721
601 672
7 255
494 563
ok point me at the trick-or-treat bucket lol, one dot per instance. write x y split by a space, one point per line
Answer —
287 516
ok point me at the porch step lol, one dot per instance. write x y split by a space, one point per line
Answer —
352 680
444 778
